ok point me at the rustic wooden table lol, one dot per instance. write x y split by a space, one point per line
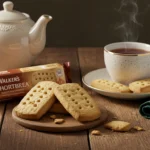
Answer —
83 60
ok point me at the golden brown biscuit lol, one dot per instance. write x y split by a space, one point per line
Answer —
37 101
141 86
43 75
77 102
110 86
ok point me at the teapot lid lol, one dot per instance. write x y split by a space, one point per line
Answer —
10 15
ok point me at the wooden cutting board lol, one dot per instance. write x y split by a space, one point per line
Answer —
70 124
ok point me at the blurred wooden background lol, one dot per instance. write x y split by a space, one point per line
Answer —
83 22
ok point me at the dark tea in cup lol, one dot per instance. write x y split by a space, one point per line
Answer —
129 51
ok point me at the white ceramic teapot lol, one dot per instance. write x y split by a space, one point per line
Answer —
20 39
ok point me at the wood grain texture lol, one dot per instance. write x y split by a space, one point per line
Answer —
90 59
2 109
15 137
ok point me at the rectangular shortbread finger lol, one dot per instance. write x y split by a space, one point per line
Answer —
37 101
77 102
110 86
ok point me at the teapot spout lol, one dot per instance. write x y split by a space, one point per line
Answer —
37 35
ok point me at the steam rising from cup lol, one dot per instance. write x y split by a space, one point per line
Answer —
128 27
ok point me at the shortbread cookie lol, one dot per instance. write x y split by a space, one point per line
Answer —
37 101
43 75
118 126
110 86
58 108
141 86
77 102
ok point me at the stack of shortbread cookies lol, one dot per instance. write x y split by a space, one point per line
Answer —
71 99
141 86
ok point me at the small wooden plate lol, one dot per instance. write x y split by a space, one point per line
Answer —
70 124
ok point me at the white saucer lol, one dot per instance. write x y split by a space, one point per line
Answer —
103 74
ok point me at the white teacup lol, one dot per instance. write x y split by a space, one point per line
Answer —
126 68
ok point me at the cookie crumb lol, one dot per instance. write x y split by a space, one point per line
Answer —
96 132
138 128
53 116
59 121
21 130
120 126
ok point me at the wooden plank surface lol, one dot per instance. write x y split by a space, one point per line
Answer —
2 109
15 137
91 59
